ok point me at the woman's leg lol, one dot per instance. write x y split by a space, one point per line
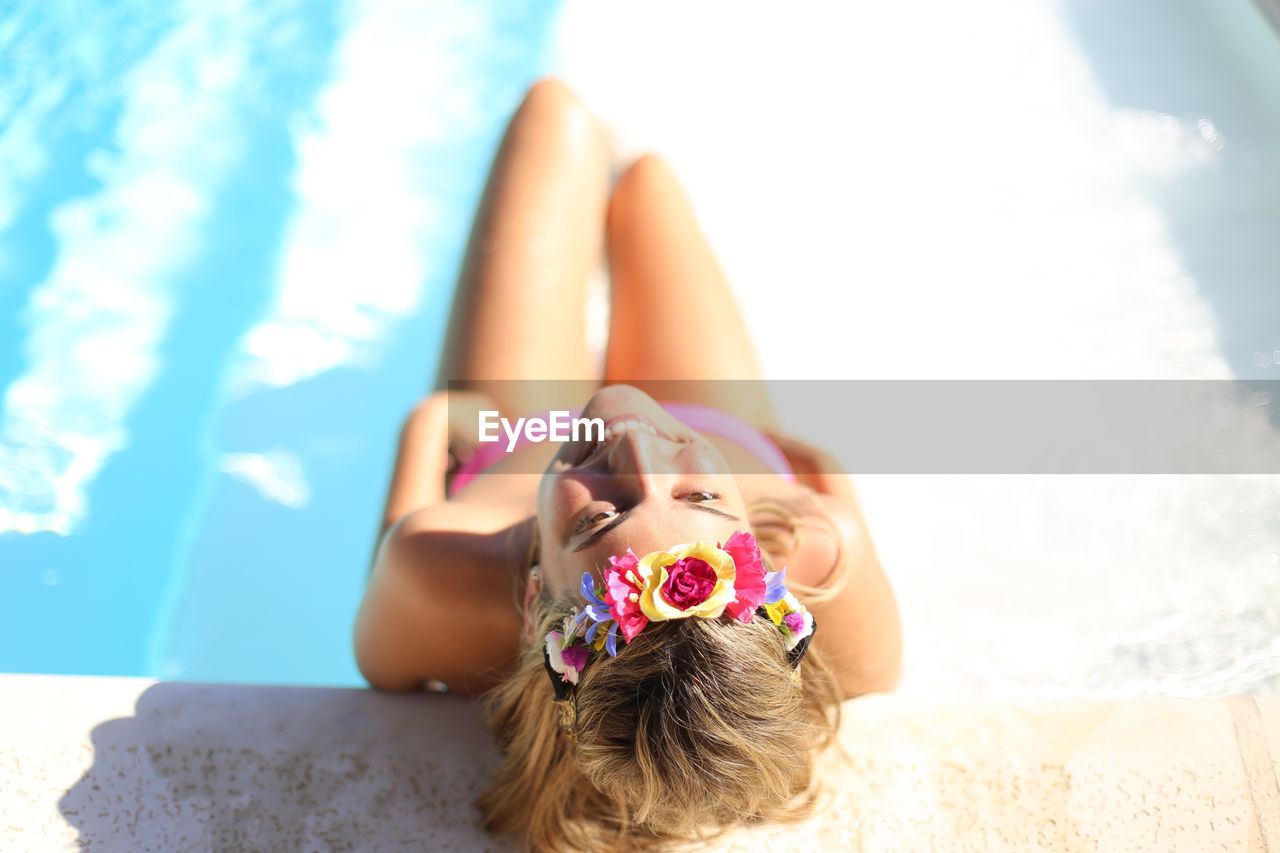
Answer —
519 310
673 316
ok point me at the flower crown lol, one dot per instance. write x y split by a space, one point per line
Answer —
697 579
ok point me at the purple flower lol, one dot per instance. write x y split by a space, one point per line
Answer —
588 589
794 621
597 610
775 586
575 656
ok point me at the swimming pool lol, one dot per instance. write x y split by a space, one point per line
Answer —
206 340
228 237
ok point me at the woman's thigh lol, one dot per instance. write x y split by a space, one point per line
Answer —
519 313
675 328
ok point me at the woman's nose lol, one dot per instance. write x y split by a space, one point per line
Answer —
639 452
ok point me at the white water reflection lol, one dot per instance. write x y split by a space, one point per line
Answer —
96 322
277 474
358 247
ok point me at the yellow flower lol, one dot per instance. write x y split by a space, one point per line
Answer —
787 604
701 577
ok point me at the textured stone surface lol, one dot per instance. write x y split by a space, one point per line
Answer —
130 764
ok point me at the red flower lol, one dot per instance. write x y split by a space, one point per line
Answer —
748 584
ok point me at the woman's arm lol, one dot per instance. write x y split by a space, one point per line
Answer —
439 598
860 629
443 599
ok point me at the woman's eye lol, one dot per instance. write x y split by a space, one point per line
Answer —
702 496
595 519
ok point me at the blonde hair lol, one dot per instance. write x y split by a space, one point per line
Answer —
697 724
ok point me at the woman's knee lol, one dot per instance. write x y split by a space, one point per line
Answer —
550 104
649 177
552 93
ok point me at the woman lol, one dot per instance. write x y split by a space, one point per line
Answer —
486 573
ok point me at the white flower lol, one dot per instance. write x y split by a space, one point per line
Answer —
555 648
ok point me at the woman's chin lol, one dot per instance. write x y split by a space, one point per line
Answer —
614 400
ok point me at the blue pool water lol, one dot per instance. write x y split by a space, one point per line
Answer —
202 388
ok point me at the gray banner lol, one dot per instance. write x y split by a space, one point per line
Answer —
972 426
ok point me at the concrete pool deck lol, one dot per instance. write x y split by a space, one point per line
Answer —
135 764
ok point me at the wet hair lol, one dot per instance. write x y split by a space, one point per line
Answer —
696 725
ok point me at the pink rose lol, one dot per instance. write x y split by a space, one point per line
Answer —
689 582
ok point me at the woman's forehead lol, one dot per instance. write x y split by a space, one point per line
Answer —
642 533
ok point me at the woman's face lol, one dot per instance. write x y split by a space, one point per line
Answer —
652 483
